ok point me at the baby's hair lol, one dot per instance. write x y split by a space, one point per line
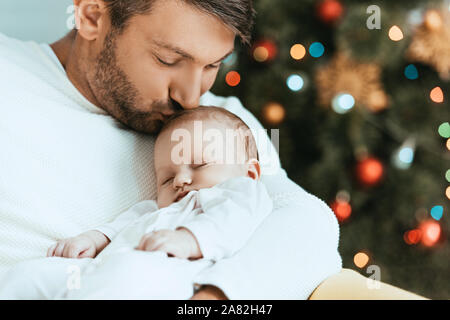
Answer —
220 115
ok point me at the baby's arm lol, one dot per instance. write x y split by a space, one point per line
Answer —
233 210
89 244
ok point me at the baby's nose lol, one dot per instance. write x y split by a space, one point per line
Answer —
182 179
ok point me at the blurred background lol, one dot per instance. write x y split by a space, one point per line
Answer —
360 93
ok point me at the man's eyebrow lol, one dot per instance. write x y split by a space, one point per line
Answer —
184 54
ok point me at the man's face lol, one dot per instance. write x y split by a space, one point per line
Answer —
160 63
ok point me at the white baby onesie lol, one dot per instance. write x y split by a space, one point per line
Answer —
222 218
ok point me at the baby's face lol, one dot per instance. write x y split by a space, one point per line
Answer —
184 160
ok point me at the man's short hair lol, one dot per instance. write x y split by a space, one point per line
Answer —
221 115
238 15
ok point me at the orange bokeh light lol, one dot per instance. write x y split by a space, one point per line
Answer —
233 78
436 95
274 113
298 51
395 33
361 259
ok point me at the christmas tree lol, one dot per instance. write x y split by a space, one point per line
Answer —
360 95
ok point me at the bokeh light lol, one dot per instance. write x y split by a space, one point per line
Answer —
316 49
298 51
411 72
444 130
437 212
233 78
447 192
264 51
431 232
342 210
342 103
448 144
274 113
412 236
406 155
261 54
395 33
370 171
436 95
361 259
295 82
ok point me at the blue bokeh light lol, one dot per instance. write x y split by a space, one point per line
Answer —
316 49
295 82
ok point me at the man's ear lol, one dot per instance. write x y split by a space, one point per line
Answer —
89 17
253 169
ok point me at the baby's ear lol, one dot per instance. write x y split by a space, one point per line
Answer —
253 169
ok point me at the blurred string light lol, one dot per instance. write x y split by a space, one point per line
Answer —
395 33
447 192
447 175
233 78
361 259
448 144
436 212
298 51
295 82
444 130
404 156
316 49
436 95
411 72
343 103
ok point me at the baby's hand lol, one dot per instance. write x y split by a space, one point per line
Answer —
180 243
78 247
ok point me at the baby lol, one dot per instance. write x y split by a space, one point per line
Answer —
209 203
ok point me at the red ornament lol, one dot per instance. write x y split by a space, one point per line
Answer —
342 210
330 11
369 171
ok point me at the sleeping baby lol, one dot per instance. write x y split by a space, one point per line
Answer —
209 203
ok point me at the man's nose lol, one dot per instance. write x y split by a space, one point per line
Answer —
186 89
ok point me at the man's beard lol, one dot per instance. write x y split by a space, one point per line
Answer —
120 98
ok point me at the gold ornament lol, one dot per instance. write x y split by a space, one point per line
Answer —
345 75
431 42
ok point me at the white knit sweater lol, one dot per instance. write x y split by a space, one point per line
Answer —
66 166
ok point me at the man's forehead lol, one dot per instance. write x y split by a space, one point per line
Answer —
177 25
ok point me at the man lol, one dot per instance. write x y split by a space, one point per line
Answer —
77 126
